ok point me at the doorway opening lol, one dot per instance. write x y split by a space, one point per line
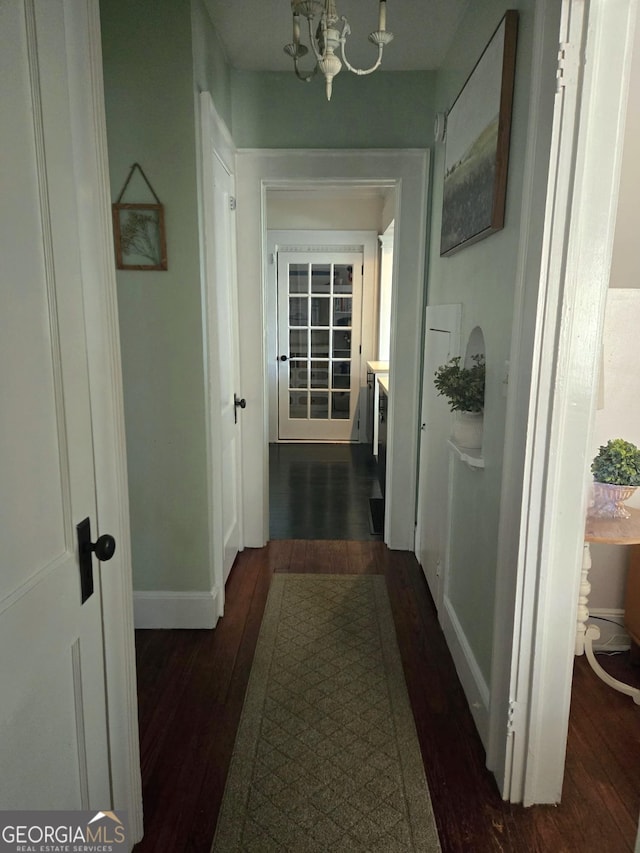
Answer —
328 301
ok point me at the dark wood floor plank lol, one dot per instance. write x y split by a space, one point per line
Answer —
591 778
364 557
613 721
279 554
321 491
240 588
192 687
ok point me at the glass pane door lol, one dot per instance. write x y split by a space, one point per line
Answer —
319 372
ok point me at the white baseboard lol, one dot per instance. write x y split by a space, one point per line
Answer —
153 609
613 638
475 687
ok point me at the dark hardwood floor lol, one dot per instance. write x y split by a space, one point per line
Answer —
192 685
321 491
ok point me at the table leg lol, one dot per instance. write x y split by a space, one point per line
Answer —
583 600
593 633
586 634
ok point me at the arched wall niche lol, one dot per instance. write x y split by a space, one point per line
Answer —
475 346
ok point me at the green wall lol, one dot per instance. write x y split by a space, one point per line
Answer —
482 278
148 73
210 70
158 55
389 109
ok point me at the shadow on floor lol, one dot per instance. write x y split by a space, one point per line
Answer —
322 491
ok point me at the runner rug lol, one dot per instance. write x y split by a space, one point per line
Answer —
327 756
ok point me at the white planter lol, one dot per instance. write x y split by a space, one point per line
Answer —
467 429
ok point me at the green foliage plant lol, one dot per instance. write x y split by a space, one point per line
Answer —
617 462
463 386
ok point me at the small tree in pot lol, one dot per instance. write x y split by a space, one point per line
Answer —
616 474
464 389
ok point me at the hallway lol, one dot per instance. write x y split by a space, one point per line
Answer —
192 686
321 491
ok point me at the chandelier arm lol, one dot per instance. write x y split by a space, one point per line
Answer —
312 40
361 71
304 77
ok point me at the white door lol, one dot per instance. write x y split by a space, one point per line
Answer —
442 340
225 400
319 329
53 727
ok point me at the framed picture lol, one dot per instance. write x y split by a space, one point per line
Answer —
477 145
139 235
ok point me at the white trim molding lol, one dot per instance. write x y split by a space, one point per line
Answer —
160 609
473 683
613 634
405 171
576 260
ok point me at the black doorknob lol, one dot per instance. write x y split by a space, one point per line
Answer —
104 547
283 358
238 404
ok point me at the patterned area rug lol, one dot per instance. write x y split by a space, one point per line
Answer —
327 756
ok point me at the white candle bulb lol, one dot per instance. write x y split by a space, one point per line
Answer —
382 20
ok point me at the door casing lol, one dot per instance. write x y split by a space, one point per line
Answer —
407 172
558 322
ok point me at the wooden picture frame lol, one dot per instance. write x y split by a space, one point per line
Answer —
139 235
477 144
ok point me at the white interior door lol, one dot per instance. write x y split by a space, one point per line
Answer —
225 400
53 725
319 331
229 375
442 341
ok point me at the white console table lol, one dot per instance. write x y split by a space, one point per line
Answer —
610 531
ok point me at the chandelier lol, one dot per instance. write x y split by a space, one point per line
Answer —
328 38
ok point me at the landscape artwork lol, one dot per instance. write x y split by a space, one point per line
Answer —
477 145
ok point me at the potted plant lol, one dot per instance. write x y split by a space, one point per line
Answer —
616 474
464 389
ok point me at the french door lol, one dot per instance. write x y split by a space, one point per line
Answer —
319 327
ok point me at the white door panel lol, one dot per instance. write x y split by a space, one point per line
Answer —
53 728
442 339
226 301
223 363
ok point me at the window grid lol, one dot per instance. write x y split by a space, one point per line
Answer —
316 393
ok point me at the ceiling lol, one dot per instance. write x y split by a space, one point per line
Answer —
254 32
